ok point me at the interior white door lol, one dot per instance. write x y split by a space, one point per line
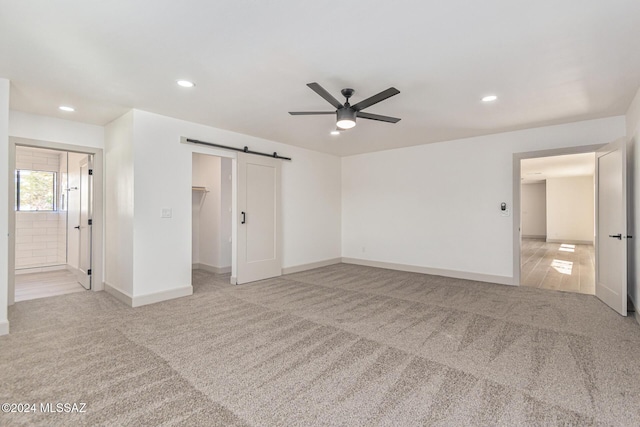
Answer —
611 228
84 261
258 191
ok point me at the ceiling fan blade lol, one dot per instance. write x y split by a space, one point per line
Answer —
375 99
309 113
377 117
326 95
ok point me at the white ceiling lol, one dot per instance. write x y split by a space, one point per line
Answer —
542 168
549 62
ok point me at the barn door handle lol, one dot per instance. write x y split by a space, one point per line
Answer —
616 236
77 227
244 218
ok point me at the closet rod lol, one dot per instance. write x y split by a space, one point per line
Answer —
244 150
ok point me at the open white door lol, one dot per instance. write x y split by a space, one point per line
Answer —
258 246
84 261
611 226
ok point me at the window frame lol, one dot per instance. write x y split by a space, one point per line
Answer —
54 203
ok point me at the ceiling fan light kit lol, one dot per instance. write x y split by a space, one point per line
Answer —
346 114
346 118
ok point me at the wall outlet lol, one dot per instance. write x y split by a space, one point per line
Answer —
166 213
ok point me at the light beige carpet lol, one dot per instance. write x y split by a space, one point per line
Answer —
340 345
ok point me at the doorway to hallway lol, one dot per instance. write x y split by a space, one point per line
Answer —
557 218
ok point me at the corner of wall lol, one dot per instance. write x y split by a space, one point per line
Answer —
4 206
632 121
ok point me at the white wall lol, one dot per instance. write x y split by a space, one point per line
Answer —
533 199
4 207
206 227
43 128
225 213
570 209
633 136
438 205
119 209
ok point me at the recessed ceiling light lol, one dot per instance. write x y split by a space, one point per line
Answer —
335 132
185 83
489 98
67 108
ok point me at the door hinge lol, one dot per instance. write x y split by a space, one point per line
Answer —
89 272
90 222
90 171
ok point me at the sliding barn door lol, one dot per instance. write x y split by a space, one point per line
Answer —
259 245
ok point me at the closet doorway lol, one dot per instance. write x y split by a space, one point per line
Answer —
211 241
52 201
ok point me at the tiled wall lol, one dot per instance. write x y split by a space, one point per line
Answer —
41 236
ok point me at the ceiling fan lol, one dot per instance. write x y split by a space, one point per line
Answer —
346 114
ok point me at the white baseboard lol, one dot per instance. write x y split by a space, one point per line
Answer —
532 236
503 280
4 327
121 296
211 268
636 314
30 270
311 266
152 298
234 280
72 269
571 242
146 299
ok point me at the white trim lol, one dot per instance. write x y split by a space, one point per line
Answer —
72 269
211 268
573 242
532 236
121 296
234 280
311 266
457 274
39 269
140 300
4 327
636 314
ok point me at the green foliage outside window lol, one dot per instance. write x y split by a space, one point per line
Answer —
35 190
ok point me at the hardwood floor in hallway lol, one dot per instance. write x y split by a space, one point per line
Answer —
559 266
46 284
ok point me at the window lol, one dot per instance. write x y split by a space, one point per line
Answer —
35 190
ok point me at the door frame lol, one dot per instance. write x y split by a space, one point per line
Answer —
517 219
98 202
217 152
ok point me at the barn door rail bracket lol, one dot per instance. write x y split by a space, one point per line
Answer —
244 149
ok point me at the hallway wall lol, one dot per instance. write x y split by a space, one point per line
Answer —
534 209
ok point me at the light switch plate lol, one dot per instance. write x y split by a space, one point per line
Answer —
166 213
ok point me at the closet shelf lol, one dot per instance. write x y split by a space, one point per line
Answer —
202 189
